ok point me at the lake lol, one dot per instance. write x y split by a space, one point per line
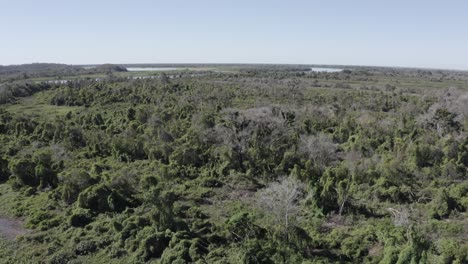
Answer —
151 69
326 69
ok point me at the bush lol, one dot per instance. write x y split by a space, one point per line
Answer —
37 217
24 171
37 172
100 198
451 251
197 249
241 227
30 191
442 205
253 252
80 218
4 171
74 183
152 246
62 257
426 156
148 182
212 183
177 254
86 247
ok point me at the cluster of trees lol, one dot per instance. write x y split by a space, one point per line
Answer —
10 73
10 92
26 71
251 167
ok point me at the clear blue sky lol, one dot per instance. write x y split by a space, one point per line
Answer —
360 32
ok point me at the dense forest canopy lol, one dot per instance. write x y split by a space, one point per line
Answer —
241 164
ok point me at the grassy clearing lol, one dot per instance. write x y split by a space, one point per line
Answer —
37 105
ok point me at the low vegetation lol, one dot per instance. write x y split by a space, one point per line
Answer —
254 165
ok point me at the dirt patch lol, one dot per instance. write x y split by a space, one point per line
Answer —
11 228
376 250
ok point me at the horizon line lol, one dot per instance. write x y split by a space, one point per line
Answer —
245 63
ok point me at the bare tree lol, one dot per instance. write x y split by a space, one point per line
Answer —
319 148
447 113
239 128
280 199
400 217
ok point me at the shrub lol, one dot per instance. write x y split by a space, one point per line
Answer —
86 247
177 254
4 171
197 249
95 198
442 205
24 171
37 217
152 246
253 252
451 251
241 227
62 257
74 183
80 218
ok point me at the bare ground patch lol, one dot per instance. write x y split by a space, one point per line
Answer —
11 228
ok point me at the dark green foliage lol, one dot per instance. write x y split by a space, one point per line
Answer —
80 218
426 156
463 155
149 182
37 171
95 198
131 113
152 246
38 217
452 252
85 247
414 250
442 205
253 252
75 138
74 183
177 253
45 170
4 171
100 198
241 228
108 68
62 258
24 171
336 187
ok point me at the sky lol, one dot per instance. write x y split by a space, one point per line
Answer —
409 33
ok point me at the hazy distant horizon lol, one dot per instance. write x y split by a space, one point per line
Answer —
163 64
415 34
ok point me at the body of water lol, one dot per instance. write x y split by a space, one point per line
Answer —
151 69
326 70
